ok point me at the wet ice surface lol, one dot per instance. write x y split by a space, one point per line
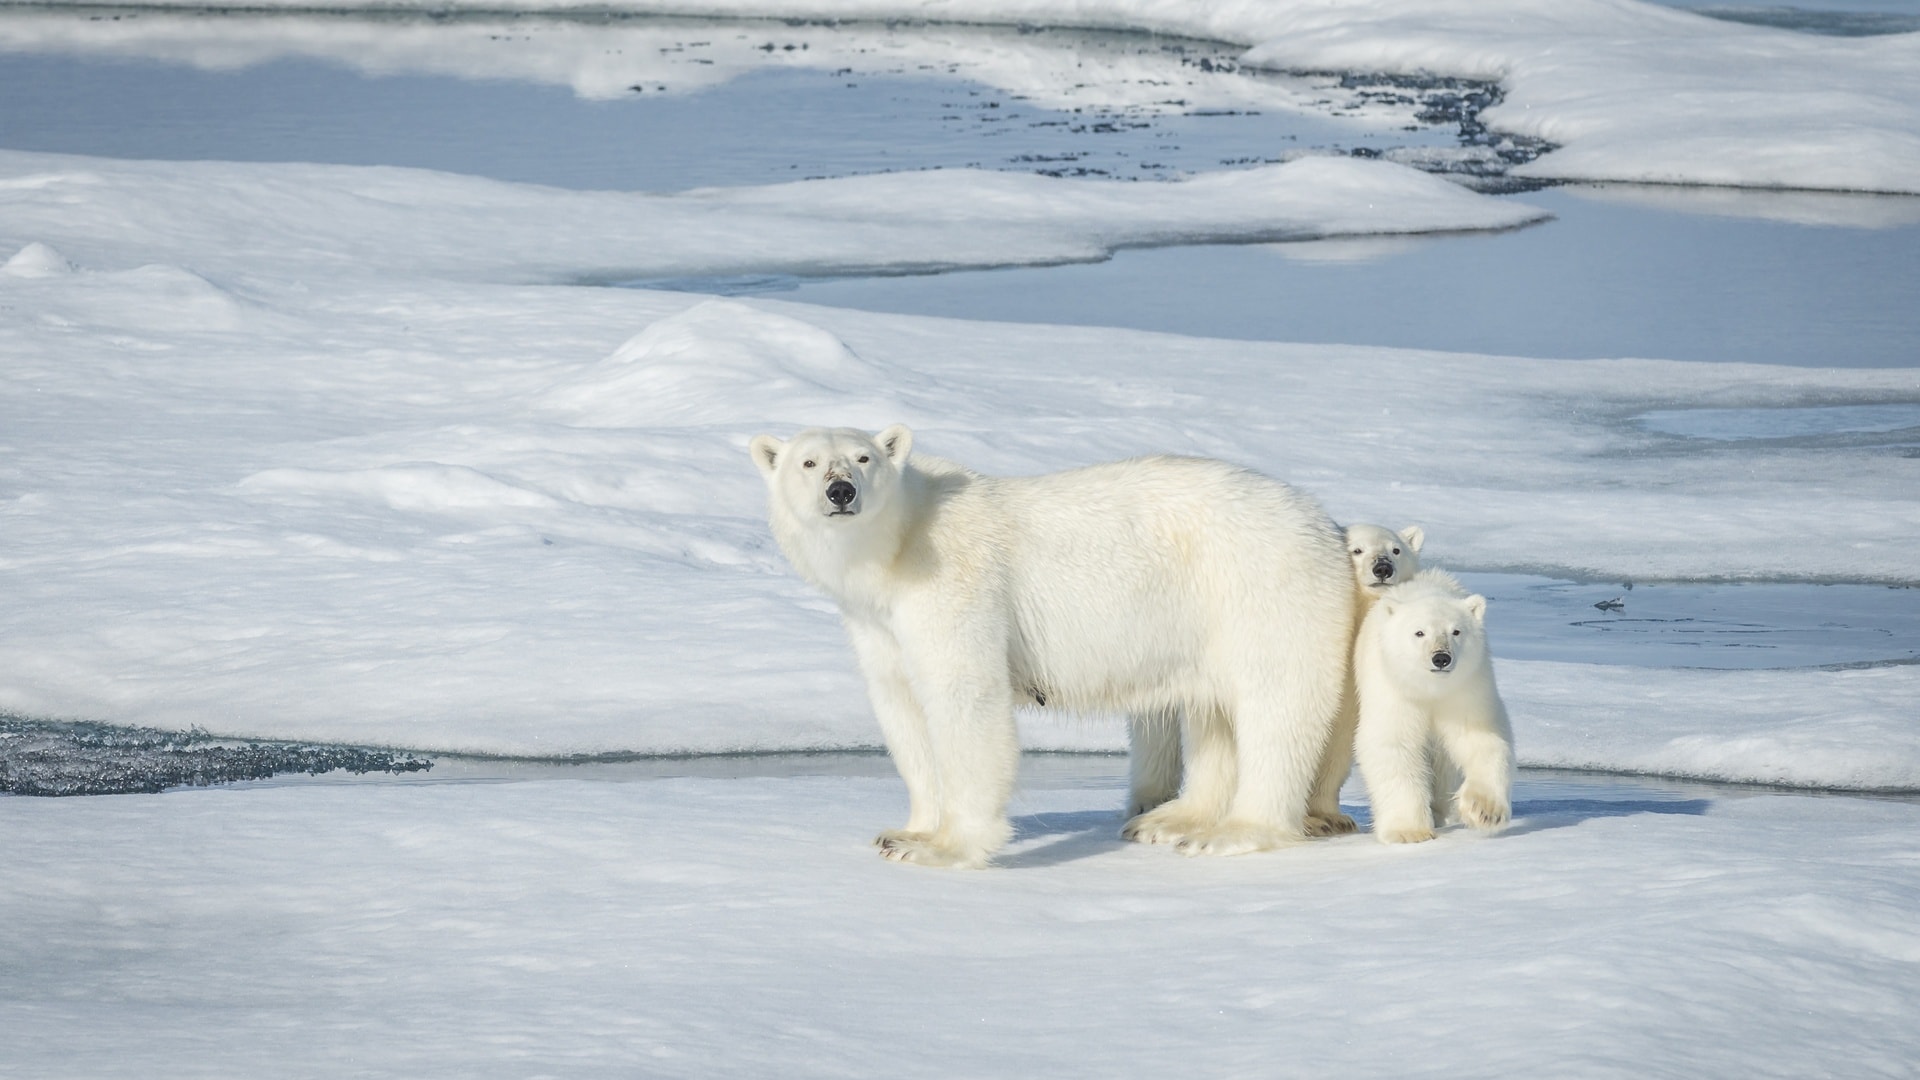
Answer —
39 757
1684 274
1741 626
894 106
1536 791
1898 424
1843 18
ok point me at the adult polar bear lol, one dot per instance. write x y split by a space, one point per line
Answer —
1168 589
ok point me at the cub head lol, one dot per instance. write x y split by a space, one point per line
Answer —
1382 557
832 475
1431 635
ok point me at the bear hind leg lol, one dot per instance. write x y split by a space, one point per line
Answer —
1207 790
1153 761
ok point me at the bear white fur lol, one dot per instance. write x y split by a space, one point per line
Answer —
1380 558
1430 712
1201 600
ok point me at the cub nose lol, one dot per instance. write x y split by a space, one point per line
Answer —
840 493
1382 568
1442 661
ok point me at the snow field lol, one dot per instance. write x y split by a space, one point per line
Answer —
744 927
456 517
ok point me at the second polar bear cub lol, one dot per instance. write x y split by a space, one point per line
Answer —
1381 558
1429 711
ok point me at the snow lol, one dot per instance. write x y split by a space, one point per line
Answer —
326 504
1629 91
702 927
353 455
290 219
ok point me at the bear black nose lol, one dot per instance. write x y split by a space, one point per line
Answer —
840 493
1442 660
1383 568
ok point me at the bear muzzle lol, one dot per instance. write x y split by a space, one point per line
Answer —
1442 661
1382 570
841 494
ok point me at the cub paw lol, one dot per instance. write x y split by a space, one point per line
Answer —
1484 811
1330 825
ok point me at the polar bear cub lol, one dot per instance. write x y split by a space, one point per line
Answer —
1428 707
1380 558
1189 595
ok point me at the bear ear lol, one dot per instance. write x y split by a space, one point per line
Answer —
1414 535
896 442
766 453
1477 607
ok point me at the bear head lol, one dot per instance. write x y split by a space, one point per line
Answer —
1382 557
1430 638
834 475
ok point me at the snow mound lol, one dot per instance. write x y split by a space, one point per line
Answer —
37 260
698 367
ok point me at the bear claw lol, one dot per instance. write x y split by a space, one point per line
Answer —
1334 825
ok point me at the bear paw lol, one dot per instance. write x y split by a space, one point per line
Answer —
1484 811
923 850
1330 825
1404 834
1168 823
1234 838
890 836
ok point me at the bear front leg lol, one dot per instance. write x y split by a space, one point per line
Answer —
903 727
1478 743
960 679
1392 747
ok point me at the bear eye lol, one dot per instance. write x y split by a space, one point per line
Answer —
1396 551
1419 633
807 464
863 459
1456 633
1359 551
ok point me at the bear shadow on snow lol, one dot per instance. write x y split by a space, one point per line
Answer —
1071 835
1539 815
1084 834
1542 814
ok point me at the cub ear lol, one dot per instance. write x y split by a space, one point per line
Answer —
896 442
766 453
1414 535
1477 607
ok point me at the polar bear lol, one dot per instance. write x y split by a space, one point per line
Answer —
1428 707
1380 557
1187 594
